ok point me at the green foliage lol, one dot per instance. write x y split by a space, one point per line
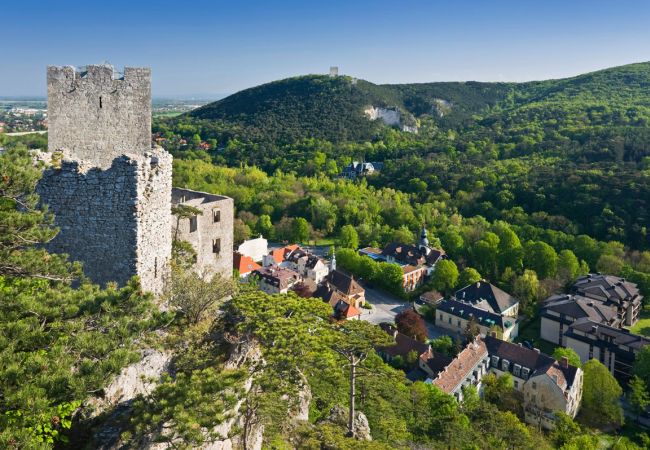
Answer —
300 230
385 275
569 353
638 395
190 406
641 367
349 237
445 276
526 288
193 296
443 345
59 344
601 396
541 258
468 276
24 225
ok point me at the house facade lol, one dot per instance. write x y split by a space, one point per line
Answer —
312 268
416 261
612 291
210 233
339 285
276 280
488 297
616 348
455 316
558 312
546 385
254 248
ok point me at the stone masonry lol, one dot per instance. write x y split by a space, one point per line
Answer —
112 193
210 233
111 196
96 115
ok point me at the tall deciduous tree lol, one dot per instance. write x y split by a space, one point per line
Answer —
468 276
641 366
601 395
568 266
525 288
638 395
445 276
542 258
569 353
300 230
349 237
411 324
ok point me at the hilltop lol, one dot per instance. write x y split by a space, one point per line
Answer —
317 106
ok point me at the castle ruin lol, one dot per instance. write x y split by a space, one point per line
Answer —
112 193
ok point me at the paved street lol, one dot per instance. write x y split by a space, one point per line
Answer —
386 306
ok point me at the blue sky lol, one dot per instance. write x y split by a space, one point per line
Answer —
215 47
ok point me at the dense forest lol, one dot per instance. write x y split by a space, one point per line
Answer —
528 185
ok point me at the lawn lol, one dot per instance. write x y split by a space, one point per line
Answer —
643 325
530 331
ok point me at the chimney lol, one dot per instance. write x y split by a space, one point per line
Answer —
537 350
564 362
493 334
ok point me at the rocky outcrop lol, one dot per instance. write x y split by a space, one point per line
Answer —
136 379
339 416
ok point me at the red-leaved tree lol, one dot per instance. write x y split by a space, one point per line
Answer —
411 324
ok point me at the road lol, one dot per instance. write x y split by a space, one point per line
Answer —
386 306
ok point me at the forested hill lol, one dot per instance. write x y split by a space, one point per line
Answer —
308 106
322 107
332 109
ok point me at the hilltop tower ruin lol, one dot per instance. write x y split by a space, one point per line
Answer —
111 195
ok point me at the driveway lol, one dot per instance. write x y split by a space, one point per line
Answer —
386 306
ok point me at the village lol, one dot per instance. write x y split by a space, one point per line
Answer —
482 320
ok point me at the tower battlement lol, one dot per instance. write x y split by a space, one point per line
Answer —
97 114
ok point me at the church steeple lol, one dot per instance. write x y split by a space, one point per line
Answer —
424 241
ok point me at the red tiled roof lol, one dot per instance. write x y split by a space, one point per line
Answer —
244 264
461 366
279 254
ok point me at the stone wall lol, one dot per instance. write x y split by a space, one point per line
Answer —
96 115
114 220
202 230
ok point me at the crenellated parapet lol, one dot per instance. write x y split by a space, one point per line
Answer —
97 114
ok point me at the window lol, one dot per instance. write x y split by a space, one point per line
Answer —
505 364
216 215
524 372
516 371
100 102
495 361
194 224
534 385
155 267
516 384
216 246
450 320
458 322
440 316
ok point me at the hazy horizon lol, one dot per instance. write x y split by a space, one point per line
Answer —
208 48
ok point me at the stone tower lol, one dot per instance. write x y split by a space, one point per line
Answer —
96 115
111 195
